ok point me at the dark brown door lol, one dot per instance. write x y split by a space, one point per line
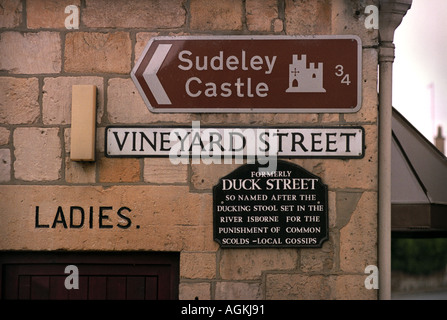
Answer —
100 276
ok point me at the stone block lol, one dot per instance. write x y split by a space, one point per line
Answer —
238 291
308 17
347 202
358 239
204 177
220 15
295 286
37 153
100 139
198 265
194 290
119 169
56 101
317 287
349 18
4 136
19 100
122 92
332 209
95 52
261 15
370 99
318 260
330 118
348 173
245 264
48 13
278 25
5 165
80 171
142 40
352 287
157 14
17 47
162 171
256 119
11 13
157 218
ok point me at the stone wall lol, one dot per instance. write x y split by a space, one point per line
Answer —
148 203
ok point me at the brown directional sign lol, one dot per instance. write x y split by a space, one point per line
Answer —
251 74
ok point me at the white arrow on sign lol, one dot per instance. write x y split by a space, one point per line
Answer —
150 74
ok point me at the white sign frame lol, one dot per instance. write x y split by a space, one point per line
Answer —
298 142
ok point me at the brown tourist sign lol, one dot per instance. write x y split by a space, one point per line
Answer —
251 74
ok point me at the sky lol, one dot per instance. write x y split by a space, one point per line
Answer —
420 67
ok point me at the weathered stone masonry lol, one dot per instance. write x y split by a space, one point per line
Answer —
170 205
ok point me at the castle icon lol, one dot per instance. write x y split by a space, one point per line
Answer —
303 79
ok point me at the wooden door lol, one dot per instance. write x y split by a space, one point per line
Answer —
100 276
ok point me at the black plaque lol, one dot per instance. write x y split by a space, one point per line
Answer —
254 208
